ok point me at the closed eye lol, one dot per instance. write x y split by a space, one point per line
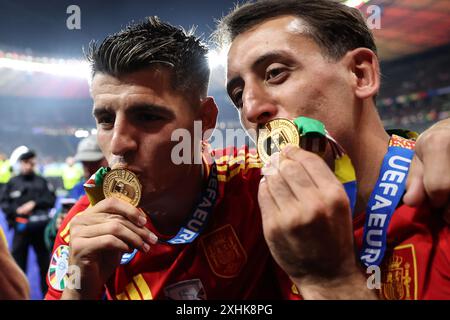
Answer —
236 97
104 118
276 73
147 117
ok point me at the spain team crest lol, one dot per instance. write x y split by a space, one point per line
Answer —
399 274
57 271
225 254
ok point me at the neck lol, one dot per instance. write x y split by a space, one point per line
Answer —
170 211
369 144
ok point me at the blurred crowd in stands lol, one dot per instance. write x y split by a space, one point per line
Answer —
415 91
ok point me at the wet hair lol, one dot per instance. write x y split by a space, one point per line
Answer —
142 45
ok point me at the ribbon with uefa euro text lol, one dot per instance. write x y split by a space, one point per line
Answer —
385 198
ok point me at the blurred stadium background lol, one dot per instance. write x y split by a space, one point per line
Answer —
44 93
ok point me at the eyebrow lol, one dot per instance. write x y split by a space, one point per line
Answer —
272 55
140 107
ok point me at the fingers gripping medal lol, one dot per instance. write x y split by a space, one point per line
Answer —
278 134
122 183
307 133
310 135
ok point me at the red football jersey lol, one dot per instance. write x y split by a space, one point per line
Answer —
229 260
416 264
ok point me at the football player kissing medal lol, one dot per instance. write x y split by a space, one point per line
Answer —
121 183
310 135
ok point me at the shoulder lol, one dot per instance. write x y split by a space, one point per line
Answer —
237 162
15 179
81 205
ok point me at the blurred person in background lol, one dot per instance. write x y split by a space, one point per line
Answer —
71 174
5 171
91 157
26 201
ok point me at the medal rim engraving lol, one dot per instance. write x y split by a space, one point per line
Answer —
290 129
135 183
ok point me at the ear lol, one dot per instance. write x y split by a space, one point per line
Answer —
208 115
365 68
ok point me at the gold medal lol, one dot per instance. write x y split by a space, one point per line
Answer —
122 184
278 134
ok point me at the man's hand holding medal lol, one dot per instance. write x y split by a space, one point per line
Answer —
103 233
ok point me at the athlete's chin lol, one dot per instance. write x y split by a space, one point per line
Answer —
152 194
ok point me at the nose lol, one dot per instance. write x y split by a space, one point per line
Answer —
123 141
258 107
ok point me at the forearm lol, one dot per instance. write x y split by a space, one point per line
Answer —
74 294
13 282
351 287
83 285
71 294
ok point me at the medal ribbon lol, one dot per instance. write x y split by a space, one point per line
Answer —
385 198
314 138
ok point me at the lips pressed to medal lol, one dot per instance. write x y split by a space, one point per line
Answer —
122 184
278 134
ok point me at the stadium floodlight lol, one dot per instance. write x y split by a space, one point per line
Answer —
60 67
81 133
217 58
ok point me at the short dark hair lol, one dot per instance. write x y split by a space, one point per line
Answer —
141 45
335 27
30 154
